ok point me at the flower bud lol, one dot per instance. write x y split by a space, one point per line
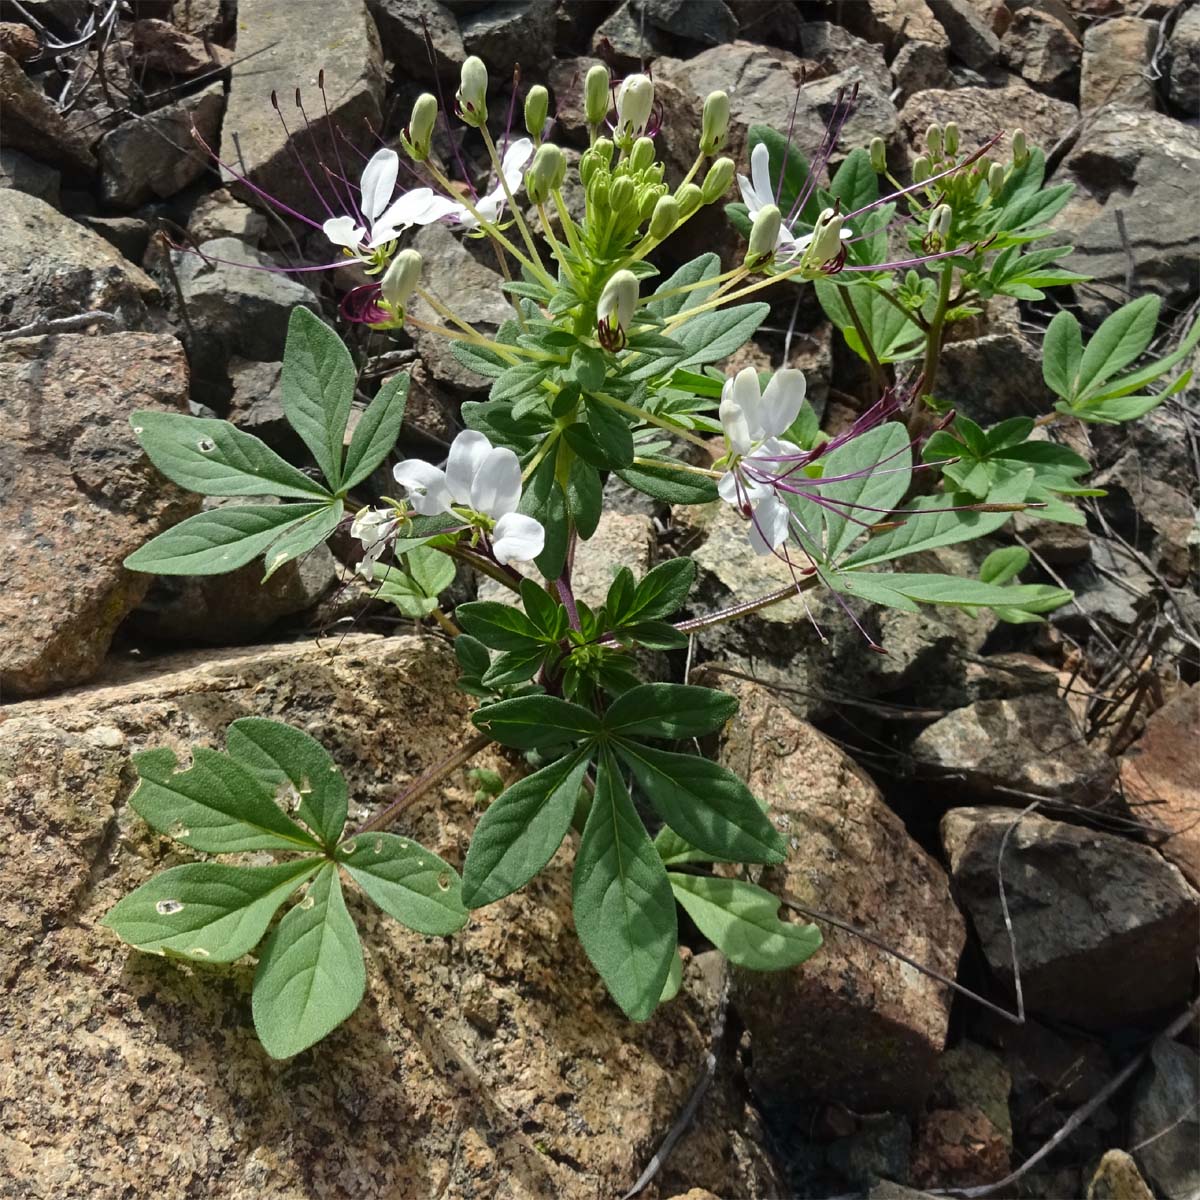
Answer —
933 139
400 280
920 169
602 148
635 103
827 237
595 95
664 218
878 156
537 109
419 134
717 181
548 170
1020 148
690 198
618 301
764 236
597 189
939 221
995 178
472 92
641 156
647 198
621 194
715 124
951 137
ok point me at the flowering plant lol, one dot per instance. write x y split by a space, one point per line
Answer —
603 371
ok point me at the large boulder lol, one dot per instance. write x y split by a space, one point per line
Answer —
1116 61
1105 929
853 1024
33 124
78 496
1165 1122
489 1065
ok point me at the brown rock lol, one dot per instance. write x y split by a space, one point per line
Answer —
920 66
79 496
1116 61
1044 52
853 1023
893 23
32 123
161 46
971 37
19 41
126 1073
566 86
1117 1178
1158 776
958 1149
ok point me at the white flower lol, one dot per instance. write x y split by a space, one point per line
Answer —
753 421
386 218
483 478
373 527
489 207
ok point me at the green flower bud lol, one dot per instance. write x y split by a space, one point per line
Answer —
717 181
595 95
618 302
878 156
995 178
546 172
827 237
939 221
597 189
641 156
647 198
933 139
920 169
419 134
622 194
715 124
537 109
690 198
603 148
472 92
664 218
635 103
951 137
764 236
400 280
1020 148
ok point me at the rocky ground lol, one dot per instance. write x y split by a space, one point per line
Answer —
493 1065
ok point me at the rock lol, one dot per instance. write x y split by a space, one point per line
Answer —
402 25
1184 50
1105 929
1164 1124
879 1149
34 125
209 20
472 290
1057 543
218 215
51 266
1158 777
161 46
233 310
994 377
1146 166
1110 590
1117 1178
708 22
853 1023
1116 62
18 41
257 405
1044 52
873 114
566 81
833 49
112 1055
626 42
340 36
154 155
129 235
429 416
920 66
971 38
78 496
26 174
893 23
508 33
983 112
1027 746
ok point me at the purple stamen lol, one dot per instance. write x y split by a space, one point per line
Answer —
337 154
295 153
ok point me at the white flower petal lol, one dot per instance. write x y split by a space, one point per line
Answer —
727 488
344 231
517 538
749 196
425 485
745 393
513 163
781 401
733 422
496 488
769 525
421 206
467 453
760 173
379 182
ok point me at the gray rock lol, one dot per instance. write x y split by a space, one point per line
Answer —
510 32
1116 64
32 124
1044 52
834 49
1147 166
566 80
163 47
129 235
879 1149
1184 51
873 114
77 496
25 174
402 25
256 405
775 22
627 41
892 23
340 36
1110 590
1165 1122
218 215
1105 928
971 39
993 377
709 22
1028 745
920 66
51 266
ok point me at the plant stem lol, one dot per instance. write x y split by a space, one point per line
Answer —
526 236
642 415
504 575
918 422
877 375
748 606
445 622
423 783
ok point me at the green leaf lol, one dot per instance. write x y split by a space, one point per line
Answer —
544 610
624 911
1004 564
283 757
415 586
212 543
305 535
471 654
407 881
1117 409
545 501
216 458
514 666
742 921
1151 371
499 626
317 386
904 591
611 432
526 722
479 359
522 829
585 497
705 803
669 483
674 850
310 975
856 185
704 267
674 980
1118 341
663 591
669 710
589 367
716 335
376 432
217 805
206 911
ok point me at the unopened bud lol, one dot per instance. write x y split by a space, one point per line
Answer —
419 134
595 95
715 124
764 236
690 198
995 179
920 169
717 181
618 301
641 156
400 280
635 103
1020 148
621 194
472 92
537 109
827 236
878 156
664 218
933 139
547 171
951 137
